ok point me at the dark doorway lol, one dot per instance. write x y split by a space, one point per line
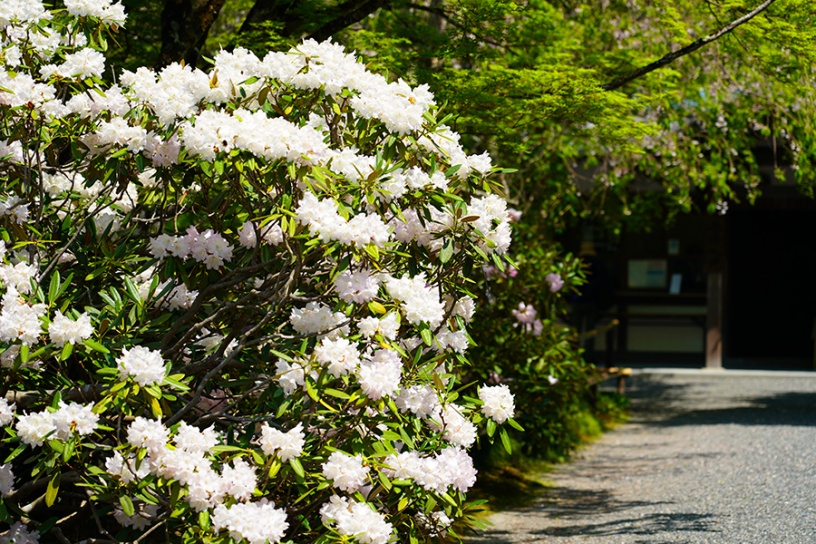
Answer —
770 303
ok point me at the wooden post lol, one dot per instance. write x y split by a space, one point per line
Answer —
713 341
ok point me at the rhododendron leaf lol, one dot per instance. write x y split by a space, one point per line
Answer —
376 307
336 393
513 423
403 502
54 287
16 452
67 350
426 334
204 519
407 439
132 291
297 467
447 251
491 427
155 407
52 490
386 483
258 458
506 441
68 451
96 346
447 498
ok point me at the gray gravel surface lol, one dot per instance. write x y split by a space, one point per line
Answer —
708 457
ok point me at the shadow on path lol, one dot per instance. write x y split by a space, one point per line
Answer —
648 524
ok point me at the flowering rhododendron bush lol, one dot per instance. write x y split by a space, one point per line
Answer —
526 342
234 303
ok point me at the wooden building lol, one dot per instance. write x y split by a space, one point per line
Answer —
736 290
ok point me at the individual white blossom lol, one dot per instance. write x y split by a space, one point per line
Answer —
101 9
74 417
239 480
126 469
317 318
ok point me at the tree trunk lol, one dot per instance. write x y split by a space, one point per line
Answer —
185 25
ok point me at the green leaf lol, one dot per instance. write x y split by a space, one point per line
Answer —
67 350
132 291
54 287
506 441
427 336
491 427
52 490
337 394
127 505
447 251
294 462
96 346
513 423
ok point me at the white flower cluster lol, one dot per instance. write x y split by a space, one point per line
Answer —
492 222
450 467
6 412
34 429
324 220
346 472
286 445
317 318
257 523
207 247
418 301
188 463
6 480
144 365
357 286
387 326
84 63
102 9
64 330
498 402
19 534
271 234
356 519
13 206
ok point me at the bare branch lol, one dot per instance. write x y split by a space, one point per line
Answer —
669 58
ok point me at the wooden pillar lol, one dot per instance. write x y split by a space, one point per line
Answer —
715 271
713 340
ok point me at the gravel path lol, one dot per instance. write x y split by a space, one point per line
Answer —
708 457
